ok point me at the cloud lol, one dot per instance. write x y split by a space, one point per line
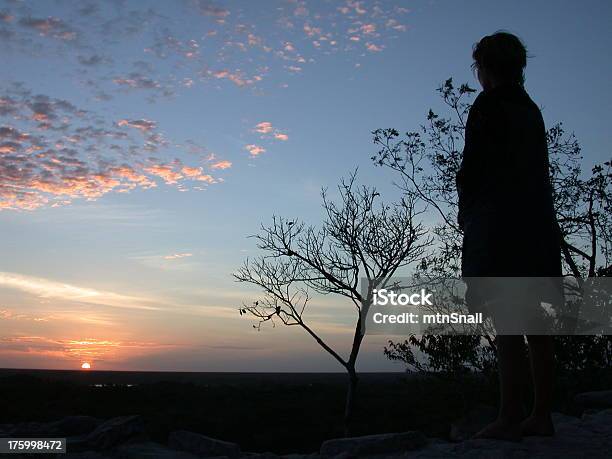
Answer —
170 46
10 133
221 165
5 314
8 147
373 47
195 173
368 29
132 176
208 179
50 27
225 47
191 171
238 77
265 127
136 80
141 124
254 150
279 136
209 8
93 60
45 109
53 152
73 153
77 349
45 288
176 256
166 172
396 25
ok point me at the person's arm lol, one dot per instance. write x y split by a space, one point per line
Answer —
471 162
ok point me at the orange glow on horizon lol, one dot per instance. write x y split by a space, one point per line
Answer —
85 366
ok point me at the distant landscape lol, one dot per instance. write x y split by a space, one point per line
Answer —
279 412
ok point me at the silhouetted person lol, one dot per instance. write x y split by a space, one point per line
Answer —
507 216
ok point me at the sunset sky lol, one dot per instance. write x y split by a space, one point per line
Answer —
141 142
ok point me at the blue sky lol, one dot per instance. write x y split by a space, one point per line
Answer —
143 141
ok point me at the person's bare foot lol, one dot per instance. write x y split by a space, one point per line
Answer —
540 426
501 429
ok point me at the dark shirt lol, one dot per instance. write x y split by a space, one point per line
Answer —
505 195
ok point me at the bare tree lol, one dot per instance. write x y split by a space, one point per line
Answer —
359 239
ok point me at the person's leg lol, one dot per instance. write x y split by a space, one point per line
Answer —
512 367
541 355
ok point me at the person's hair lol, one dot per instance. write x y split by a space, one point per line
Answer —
502 55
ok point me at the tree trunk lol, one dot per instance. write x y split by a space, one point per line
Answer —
352 374
350 401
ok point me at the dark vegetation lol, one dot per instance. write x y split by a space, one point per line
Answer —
267 412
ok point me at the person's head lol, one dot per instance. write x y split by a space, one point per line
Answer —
499 59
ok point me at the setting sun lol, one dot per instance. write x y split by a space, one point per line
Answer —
86 366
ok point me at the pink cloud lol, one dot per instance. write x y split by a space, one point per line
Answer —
207 178
254 150
165 172
131 175
208 8
141 124
368 29
221 165
176 256
311 31
195 173
76 155
373 47
238 78
191 171
265 127
50 27
136 80
395 25
9 147
279 136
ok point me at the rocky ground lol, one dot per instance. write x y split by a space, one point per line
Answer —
588 436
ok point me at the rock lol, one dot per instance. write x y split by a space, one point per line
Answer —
266 455
590 437
88 455
65 427
600 423
472 422
303 456
74 425
202 445
599 399
150 450
115 431
374 444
